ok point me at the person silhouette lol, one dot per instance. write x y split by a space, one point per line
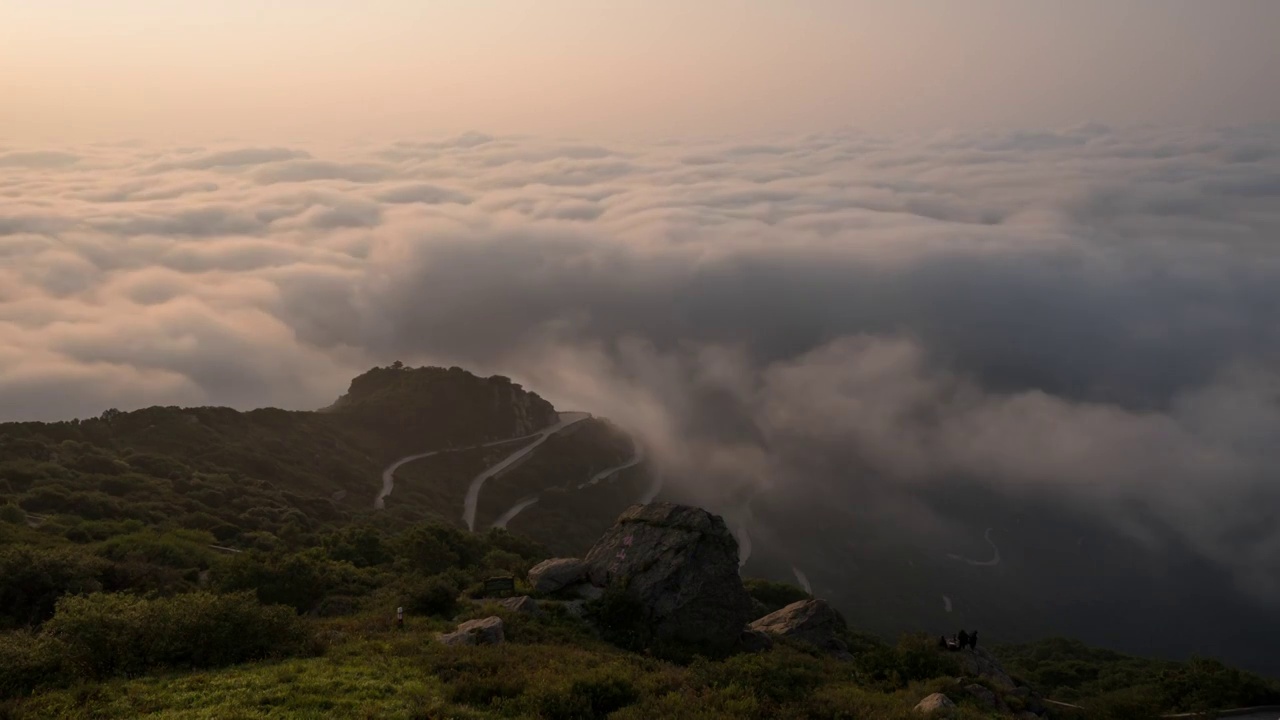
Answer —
963 638
973 640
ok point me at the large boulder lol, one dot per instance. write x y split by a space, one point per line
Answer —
811 621
934 703
680 566
551 576
484 631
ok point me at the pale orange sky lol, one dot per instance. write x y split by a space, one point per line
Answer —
172 69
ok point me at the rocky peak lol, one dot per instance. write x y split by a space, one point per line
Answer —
450 405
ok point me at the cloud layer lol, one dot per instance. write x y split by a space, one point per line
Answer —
1089 313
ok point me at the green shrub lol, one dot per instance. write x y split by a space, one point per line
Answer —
175 549
12 514
361 546
773 595
483 690
106 635
775 677
32 579
915 658
28 661
622 620
586 698
299 580
436 595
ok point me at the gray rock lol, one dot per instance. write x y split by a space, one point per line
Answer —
754 641
681 564
550 576
934 703
587 591
985 697
576 608
485 631
522 604
812 621
980 663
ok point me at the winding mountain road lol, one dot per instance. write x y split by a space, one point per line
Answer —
995 560
473 491
389 475
515 510
637 457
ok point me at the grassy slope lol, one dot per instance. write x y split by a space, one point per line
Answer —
551 668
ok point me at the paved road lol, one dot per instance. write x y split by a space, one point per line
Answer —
506 517
636 458
473 491
995 560
515 510
389 475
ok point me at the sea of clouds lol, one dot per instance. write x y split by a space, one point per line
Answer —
1091 313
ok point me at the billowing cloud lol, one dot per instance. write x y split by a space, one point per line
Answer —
236 158
1087 315
37 159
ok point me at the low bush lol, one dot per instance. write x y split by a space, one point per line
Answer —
28 661
586 698
773 595
435 595
104 635
32 579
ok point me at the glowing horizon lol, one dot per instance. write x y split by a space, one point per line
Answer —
74 69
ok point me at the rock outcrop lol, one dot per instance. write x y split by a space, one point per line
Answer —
980 663
680 564
484 631
811 621
985 697
556 574
934 703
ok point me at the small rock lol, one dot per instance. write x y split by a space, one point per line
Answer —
812 621
575 608
522 604
934 703
550 576
485 631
